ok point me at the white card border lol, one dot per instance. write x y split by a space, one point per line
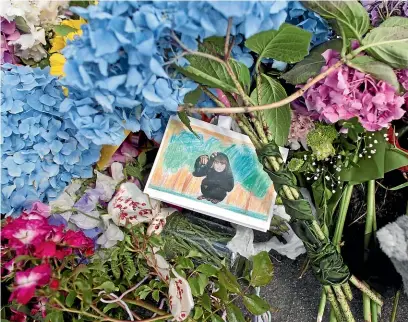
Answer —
211 210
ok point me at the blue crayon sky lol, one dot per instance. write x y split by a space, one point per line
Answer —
184 148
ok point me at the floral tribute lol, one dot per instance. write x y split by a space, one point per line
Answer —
80 239
41 149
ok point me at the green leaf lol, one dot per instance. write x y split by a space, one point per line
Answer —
183 262
350 15
216 318
234 314
133 171
222 293
289 44
55 316
142 159
278 119
378 70
312 64
193 253
207 269
109 306
368 169
156 295
394 158
107 286
395 22
63 30
255 304
186 121
212 73
70 298
198 284
21 25
87 298
262 270
193 96
229 281
198 312
206 302
388 44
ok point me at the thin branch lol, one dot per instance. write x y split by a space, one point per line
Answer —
287 100
196 53
212 96
227 39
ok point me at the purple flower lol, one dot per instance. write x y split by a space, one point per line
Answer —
380 10
9 33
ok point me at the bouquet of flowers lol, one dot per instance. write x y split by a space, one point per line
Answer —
327 79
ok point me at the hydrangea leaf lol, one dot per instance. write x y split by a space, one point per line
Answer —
389 44
312 64
375 68
262 271
289 44
213 74
278 119
395 22
350 14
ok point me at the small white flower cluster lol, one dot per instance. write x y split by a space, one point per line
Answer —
32 18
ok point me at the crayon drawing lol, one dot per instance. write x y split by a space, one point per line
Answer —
217 171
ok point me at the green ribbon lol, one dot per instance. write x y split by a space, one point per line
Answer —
327 264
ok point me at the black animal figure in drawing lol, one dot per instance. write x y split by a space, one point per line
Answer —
218 179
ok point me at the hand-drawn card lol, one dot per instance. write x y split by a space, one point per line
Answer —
216 173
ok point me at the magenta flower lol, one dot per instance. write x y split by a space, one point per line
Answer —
348 93
28 280
22 233
9 33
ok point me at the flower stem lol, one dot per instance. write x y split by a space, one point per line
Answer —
395 306
343 303
145 305
287 100
366 308
374 312
333 302
347 291
322 305
345 201
365 290
370 213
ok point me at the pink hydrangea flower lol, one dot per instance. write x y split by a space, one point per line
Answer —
9 33
403 79
299 128
347 93
27 281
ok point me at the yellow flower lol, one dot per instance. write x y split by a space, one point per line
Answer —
59 42
57 62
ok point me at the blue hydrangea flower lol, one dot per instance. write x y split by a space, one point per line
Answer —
116 71
41 150
308 20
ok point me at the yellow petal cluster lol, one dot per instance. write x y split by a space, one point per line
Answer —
57 60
